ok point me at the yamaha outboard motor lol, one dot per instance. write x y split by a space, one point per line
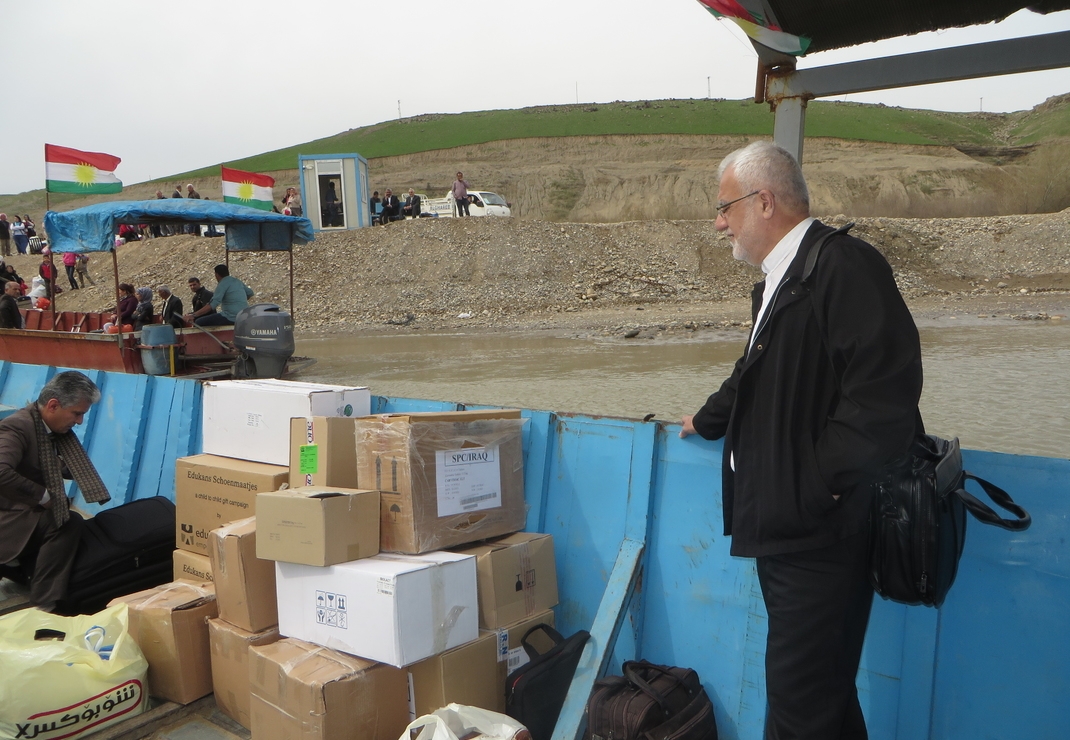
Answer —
264 335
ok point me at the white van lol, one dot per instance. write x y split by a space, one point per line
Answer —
482 203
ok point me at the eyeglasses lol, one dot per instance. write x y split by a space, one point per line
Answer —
722 208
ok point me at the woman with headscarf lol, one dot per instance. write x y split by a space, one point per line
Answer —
18 234
127 304
143 313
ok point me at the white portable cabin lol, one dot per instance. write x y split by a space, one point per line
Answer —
334 191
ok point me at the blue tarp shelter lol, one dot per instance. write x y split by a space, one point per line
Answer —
93 228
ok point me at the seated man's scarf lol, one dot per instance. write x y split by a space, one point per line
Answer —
78 463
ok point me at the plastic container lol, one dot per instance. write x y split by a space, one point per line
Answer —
157 344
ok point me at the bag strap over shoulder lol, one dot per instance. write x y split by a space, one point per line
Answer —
815 251
982 512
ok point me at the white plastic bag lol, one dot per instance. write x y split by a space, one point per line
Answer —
65 677
459 722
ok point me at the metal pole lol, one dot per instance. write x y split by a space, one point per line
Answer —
292 314
118 318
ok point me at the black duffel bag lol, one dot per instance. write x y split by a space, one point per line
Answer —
919 521
536 691
650 702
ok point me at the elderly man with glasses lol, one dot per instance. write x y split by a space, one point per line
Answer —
825 394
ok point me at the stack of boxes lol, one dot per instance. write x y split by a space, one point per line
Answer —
388 579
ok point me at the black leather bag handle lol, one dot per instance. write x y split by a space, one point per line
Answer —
553 634
983 513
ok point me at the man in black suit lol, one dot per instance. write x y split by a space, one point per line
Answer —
10 318
824 396
412 205
391 208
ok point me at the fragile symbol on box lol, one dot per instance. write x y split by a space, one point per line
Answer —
331 609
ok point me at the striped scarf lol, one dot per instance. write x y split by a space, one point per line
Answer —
54 453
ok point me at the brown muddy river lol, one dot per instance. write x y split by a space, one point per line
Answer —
1002 385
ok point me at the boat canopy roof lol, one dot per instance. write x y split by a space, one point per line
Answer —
93 228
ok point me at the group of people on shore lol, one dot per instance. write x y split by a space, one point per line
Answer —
20 230
390 207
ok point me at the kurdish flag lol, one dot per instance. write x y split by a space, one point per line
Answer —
72 171
758 27
248 189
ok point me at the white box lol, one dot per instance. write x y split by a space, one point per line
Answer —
395 609
250 419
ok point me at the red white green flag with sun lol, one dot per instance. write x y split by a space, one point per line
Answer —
248 189
757 26
71 171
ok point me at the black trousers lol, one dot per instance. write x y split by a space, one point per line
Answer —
818 604
48 558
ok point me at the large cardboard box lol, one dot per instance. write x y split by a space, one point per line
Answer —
322 452
447 479
300 690
511 653
189 566
245 584
317 525
211 491
466 675
396 609
250 419
230 665
169 624
517 577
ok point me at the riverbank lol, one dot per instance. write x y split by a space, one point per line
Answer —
510 274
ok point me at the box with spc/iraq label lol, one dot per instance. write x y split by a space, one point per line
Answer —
395 609
446 478
211 491
250 419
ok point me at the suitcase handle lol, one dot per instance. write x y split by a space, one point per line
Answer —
641 684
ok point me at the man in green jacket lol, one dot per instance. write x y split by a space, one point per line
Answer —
231 296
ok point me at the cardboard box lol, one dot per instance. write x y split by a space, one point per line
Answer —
303 691
517 577
322 452
245 585
189 566
211 491
447 479
511 654
169 625
396 609
230 665
317 525
250 419
466 675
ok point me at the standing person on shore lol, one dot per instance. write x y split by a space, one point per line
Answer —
460 194
70 260
18 235
81 267
231 296
824 396
5 236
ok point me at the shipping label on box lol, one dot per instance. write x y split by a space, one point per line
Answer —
230 665
211 491
169 625
517 577
446 478
245 584
301 690
190 566
250 419
318 525
396 609
322 452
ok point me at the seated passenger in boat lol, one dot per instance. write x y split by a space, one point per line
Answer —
127 304
7 273
171 313
143 314
231 296
10 318
201 296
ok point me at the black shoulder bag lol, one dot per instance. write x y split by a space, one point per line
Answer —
918 516
535 692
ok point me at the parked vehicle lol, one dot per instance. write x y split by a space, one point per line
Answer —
482 203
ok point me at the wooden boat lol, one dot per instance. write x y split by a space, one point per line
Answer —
76 339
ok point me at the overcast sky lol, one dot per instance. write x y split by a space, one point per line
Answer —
175 86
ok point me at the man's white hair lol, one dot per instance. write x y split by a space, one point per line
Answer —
762 165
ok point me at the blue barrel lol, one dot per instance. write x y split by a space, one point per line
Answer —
157 342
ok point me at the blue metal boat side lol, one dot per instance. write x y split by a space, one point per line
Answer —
636 516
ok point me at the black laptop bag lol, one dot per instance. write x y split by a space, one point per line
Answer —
536 691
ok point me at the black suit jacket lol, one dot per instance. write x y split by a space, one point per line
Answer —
391 206
10 318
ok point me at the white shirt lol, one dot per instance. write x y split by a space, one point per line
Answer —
775 265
